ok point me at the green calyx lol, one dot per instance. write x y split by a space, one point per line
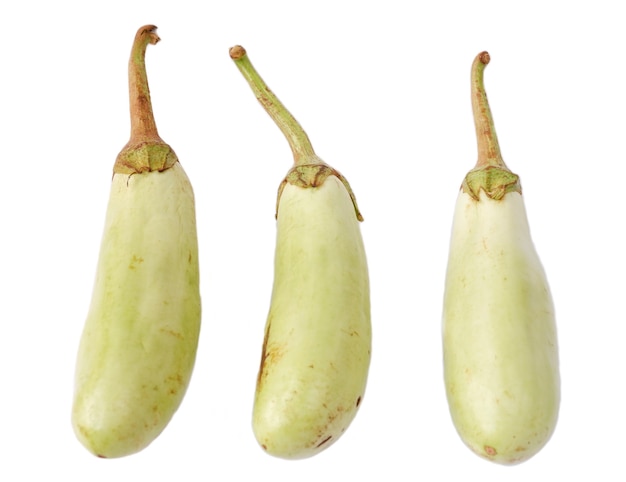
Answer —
494 181
314 175
145 151
146 157
491 174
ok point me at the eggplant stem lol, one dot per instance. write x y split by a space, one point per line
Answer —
298 140
142 124
145 151
488 147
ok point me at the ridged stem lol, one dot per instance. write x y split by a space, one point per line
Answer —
142 125
488 148
490 174
299 142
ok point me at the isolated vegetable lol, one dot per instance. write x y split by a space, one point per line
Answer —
499 335
139 342
316 351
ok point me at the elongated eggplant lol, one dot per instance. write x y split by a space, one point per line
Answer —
317 346
140 338
499 334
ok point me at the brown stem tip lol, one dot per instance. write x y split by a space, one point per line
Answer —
484 57
237 52
150 31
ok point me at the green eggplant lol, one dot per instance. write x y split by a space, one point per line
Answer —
139 342
501 364
316 351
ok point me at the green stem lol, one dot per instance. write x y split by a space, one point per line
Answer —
299 142
308 171
145 151
490 174
488 148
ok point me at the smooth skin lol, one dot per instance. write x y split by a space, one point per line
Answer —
499 333
501 365
138 346
139 342
317 345
318 336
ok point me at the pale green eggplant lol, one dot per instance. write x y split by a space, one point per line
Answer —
316 351
501 363
140 338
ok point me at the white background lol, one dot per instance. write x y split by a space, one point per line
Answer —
382 89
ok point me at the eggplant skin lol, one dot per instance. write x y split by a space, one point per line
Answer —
139 343
500 350
317 346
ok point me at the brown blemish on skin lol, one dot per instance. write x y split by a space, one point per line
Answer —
178 379
324 441
269 354
490 451
174 383
135 262
358 401
263 355
171 332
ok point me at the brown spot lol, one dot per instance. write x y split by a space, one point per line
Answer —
135 262
264 447
178 379
324 441
237 52
264 353
264 100
358 401
172 332
520 449
490 451
101 456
